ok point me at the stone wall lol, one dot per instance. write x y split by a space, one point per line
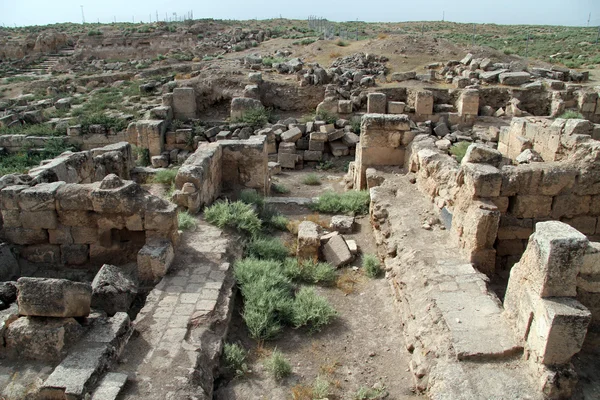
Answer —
226 164
91 224
383 142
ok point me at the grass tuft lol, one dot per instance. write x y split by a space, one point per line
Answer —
371 265
237 215
165 176
310 309
279 188
459 150
310 271
235 357
570 114
186 221
355 202
267 249
311 180
278 366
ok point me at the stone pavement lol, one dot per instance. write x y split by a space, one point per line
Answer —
462 347
183 321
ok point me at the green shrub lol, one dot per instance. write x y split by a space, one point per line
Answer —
365 393
268 249
310 309
237 48
235 357
355 124
356 202
236 215
111 123
371 265
325 165
207 58
323 115
94 33
309 271
278 366
570 114
143 156
279 188
165 176
256 117
269 61
21 162
278 222
459 150
250 196
341 43
312 180
186 221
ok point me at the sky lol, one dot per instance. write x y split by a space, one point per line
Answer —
538 12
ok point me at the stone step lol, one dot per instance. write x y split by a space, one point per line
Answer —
302 201
110 386
88 359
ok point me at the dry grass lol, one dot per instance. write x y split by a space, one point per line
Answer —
335 54
292 225
302 392
347 281
382 36
330 368
261 352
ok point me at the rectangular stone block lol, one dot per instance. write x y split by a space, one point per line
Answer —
314 145
424 103
25 236
9 197
336 251
527 206
313 155
344 106
40 197
396 107
39 219
44 297
154 260
184 103
287 160
482 180
74 254
376 103
308 240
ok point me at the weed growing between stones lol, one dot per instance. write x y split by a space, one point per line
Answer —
365 393
353 202
459 150
21 162
256 117
310 309
371 265
235 357
278 366
186 221
570 114
310 271
165 176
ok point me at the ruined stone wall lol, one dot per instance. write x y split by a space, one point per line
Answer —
72 224
554 140
227 164
383 142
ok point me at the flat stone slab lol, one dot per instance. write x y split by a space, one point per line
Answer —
110 386
301 201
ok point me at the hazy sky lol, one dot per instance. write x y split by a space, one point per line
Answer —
551 12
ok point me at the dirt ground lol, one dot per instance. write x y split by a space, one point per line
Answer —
363 347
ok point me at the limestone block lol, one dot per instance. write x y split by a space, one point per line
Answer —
396 107
483 180
350 139
184 103
591 259
339 149
25 236
75 197
583 223
40 197
374 178
328 128
553 258
45 339
240 105
291 135
151 135
570 205
9 267
154 259
287 160
74 254
384 122
11 218
482 154
9 197
468 102
514 78
60 235
274 168
161 217
558 329
336 251
46 297
480 226
342 223
376 103
352 246
424 103
39 219
530 206
316 145
114 289
335 135
289 148
310 155
308 240
345 106
116 196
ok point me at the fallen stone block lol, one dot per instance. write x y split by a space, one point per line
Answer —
45 297
336 251
308 240
514 78
310 155
482 154
110 386
38 338
339 149
376 103
291 135
352 246
154 259
342 223
114 289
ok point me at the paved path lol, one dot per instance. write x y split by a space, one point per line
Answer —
171 352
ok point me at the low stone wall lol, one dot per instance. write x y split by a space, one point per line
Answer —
226 164
91 224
